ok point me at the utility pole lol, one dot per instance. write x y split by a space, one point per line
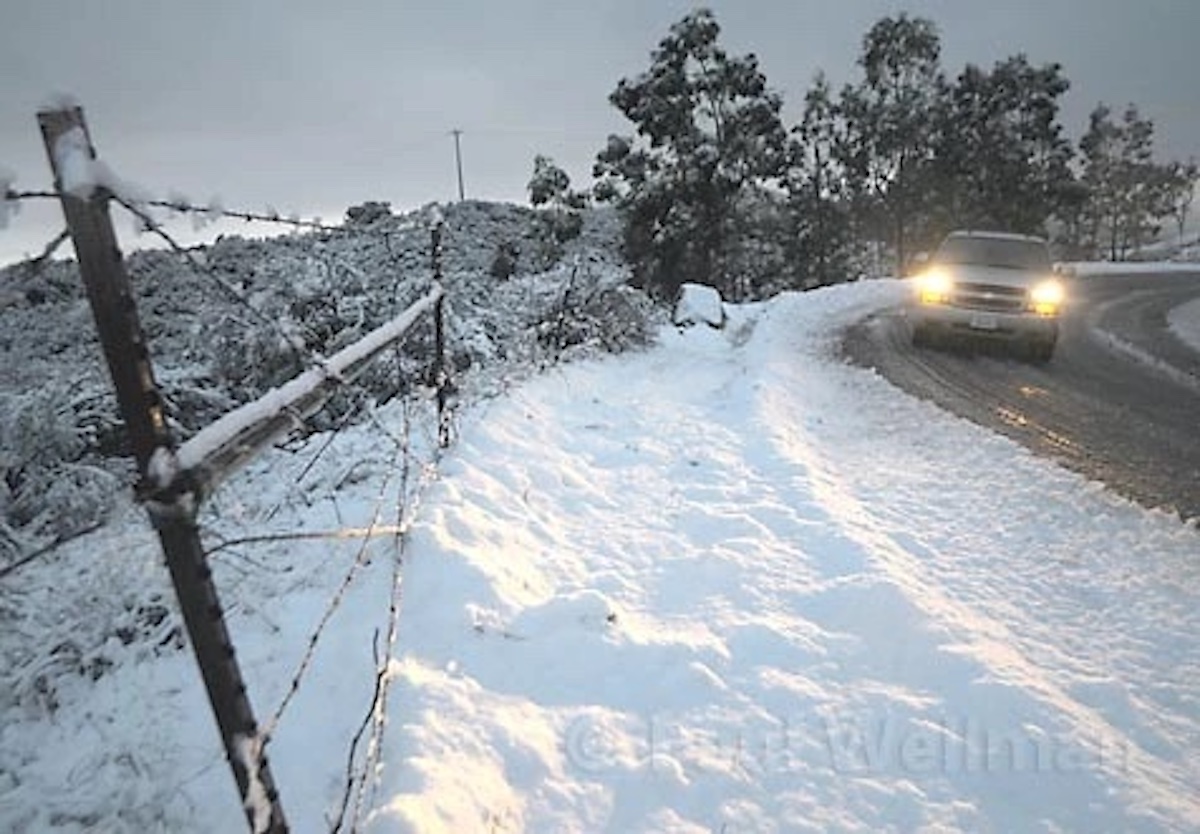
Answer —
458 161
171 505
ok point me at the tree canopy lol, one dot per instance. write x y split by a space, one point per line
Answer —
714 188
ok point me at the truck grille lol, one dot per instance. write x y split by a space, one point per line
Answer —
991 297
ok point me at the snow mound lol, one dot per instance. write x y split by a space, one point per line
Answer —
699 304
1184 322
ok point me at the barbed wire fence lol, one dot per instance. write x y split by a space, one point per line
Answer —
413 449
163 483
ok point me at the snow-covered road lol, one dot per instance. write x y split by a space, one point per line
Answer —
731 584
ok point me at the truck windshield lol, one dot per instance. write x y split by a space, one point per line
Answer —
990 251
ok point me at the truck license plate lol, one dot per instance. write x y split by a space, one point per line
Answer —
983 321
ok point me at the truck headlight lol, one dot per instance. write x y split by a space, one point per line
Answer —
934 287
1045 298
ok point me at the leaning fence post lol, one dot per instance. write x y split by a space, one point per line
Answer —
85 206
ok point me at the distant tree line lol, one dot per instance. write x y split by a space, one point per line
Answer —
715 188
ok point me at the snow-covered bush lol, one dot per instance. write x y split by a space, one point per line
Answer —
248 358
368 213
64 501
222 325
45 492
504 263
38 430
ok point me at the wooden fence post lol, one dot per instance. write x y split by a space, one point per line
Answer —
441 367
110 294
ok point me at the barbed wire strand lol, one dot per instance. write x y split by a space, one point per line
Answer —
269 216
404 517
353 773
14 196
331 608
373 718
154 227
297 536
183 207
37 264
356 775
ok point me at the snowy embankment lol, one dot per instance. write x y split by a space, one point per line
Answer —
733 584
728 583
1184 322
1086 268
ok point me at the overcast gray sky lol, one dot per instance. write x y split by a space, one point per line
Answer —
314 106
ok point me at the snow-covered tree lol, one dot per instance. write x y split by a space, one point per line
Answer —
560 216
1002 160
891 125
709 138
820 232
1183 192
1128 193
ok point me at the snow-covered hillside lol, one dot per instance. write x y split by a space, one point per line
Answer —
727 583
59 437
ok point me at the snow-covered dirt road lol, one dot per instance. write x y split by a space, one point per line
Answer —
735 585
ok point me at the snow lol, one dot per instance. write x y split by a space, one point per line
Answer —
729 582
249 752
8 208
80 173
699 304
76 167
1085 268
1184 322
60 100
736 585
163 468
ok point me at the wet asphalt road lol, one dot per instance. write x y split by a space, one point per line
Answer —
1119 402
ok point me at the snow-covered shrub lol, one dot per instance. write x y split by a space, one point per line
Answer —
64 501
38 431
248 357
107 621
222 325
368 213
504 263
613 319
11 545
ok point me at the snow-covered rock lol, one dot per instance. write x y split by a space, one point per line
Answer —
699 304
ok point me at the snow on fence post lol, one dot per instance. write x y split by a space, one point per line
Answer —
82 186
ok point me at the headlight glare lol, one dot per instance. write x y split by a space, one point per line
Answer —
934 287
1046 297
